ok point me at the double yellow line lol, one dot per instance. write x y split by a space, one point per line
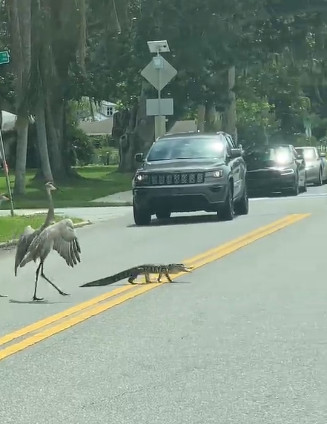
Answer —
61 321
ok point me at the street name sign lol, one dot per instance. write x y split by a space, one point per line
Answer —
4 57
157 107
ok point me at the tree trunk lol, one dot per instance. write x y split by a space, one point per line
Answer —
42 141
21 153
20 29
54 124
201 118
213 121
134 132
230 112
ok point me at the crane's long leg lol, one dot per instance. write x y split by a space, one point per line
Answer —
36 280
53 284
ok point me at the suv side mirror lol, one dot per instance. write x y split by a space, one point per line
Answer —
299 157
139 157
235 153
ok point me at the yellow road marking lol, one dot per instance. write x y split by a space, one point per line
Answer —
237 244
94 308
53 318
286 220
36 338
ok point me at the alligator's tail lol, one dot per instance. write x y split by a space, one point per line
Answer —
109 280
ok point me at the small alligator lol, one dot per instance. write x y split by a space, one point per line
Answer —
146 269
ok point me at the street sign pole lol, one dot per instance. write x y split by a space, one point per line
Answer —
159 120
4 59
159 72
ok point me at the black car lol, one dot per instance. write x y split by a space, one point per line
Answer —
277 168
190 172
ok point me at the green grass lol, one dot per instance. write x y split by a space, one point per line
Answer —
12 227
94 182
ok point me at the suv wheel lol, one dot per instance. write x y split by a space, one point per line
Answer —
141 216
163 214
296 189
319 181
226 212
304 188
242 205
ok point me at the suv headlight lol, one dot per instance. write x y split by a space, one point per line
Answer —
287 171
215 174
140 179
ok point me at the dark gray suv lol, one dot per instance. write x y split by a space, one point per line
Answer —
190 172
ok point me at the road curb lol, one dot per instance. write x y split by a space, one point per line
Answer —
112 204
12 243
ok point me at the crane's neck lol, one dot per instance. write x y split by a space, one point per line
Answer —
50 219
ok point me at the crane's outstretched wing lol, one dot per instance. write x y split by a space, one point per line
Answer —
23 244
60 237
69 250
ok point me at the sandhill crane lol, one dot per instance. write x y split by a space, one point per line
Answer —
61 237
30 233
3 198
25 249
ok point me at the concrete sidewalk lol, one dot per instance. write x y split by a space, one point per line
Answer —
92 214
124 198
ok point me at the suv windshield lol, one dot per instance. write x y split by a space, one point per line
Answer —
309 153
187 148
271 155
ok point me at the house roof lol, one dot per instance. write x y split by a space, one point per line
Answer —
106 103
103 127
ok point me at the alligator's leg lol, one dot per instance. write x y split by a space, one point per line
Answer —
147 277
168 277
132 277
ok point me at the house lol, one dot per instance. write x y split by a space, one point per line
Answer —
107 109
101 110
8 121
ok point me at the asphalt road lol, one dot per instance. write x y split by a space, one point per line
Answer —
242 339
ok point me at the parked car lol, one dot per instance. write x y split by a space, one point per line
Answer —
315 164
277 168
190 172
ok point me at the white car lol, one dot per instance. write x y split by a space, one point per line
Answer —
315 164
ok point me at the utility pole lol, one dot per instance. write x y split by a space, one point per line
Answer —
4 59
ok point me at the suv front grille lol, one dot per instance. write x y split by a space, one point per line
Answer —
262 174
177 178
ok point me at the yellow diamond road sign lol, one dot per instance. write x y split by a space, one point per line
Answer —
159 78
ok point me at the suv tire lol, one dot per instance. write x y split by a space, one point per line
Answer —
242 206
141 216
296 189
226 212
163 214
319 181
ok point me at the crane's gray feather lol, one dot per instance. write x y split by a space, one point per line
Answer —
69 250
60 237
23 244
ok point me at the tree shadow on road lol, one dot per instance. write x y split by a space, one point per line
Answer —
261 194
183 220
35 302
